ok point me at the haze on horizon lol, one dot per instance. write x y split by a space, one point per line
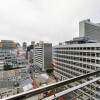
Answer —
48 20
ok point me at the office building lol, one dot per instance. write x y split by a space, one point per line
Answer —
43 55
80 56
24 45
30 52
8 45
75 58
40 54
89 29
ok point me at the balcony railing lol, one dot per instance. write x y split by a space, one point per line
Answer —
44 89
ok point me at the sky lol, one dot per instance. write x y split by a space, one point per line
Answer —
51 21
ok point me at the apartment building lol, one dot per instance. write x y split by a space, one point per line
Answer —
89 29
78 57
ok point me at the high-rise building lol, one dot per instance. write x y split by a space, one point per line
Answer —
30 53
40 54
80 56
24 45
32 42
89 29
43 55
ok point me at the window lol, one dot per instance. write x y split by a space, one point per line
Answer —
93 54
92 48
97 89
93 67
98 54
98 61
97 48
98 68
88 48
98 96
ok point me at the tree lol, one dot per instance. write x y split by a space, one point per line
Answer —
17 65
7 66
49 71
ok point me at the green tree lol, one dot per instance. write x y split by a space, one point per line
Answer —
7 66
17 65
49 71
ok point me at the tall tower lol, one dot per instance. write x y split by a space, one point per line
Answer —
24 45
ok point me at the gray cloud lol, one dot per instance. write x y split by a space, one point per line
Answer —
48 20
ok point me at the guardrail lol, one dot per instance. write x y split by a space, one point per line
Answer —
48 87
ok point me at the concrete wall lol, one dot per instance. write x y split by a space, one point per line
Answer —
81 29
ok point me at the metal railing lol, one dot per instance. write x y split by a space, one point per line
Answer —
49 87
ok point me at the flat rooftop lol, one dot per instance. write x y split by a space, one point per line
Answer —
42 79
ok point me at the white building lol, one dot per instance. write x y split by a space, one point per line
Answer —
76 58
2 60
89 29
5 57
19 61
42 55
12 59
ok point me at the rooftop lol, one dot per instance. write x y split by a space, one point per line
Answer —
80 40
41 79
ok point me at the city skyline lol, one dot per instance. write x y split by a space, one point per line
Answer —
51 21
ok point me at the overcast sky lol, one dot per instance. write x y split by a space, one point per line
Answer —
48 20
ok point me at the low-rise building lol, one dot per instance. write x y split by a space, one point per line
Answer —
14 81
41 80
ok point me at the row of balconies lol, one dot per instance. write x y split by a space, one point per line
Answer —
78 48
69 66
67 75
69 70
93 91
77 63
90 60
73 62
88 89
93 54
68 56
